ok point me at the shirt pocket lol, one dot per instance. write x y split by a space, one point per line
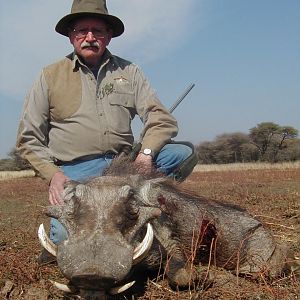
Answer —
122 109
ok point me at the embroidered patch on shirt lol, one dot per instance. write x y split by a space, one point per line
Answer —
120 79
106 90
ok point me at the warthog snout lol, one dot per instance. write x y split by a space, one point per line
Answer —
105 261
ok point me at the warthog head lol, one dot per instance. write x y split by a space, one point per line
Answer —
108 231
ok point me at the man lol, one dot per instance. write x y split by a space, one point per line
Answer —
77 116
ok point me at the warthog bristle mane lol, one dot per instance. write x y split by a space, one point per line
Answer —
124 166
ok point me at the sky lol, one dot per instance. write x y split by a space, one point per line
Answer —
243 57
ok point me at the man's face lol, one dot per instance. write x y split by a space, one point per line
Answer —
90 36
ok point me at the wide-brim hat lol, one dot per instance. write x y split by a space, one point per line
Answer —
90 8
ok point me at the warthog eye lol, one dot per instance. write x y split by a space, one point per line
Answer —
132 209
125 215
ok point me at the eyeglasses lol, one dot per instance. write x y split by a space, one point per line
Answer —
83 32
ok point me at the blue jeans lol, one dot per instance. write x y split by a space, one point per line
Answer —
169 157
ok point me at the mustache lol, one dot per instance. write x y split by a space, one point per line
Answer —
87 44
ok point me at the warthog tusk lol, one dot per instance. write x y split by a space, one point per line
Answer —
121 289
46 242
62 287
113 291
142 249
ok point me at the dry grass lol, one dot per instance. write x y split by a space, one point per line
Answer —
246 166
199 168
16 174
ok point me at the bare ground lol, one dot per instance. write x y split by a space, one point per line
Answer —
271 195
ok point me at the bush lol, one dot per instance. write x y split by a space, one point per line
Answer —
14 163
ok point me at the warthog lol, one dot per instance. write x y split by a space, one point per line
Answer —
122 222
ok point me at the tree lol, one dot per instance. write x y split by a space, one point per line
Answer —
267 141
262 135
226 148
250 152
205 153
271 138
18 161
286 132
291 151
229 147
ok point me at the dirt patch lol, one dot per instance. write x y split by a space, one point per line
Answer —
272 195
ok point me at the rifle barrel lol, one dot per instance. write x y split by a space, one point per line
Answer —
177 102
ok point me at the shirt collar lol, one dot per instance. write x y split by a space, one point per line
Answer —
77 63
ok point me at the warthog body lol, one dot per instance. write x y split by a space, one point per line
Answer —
107 217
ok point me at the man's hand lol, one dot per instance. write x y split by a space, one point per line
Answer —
144 163
56 188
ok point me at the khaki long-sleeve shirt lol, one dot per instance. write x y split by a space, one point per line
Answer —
70 114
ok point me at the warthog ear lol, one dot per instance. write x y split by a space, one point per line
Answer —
146 190
130 203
